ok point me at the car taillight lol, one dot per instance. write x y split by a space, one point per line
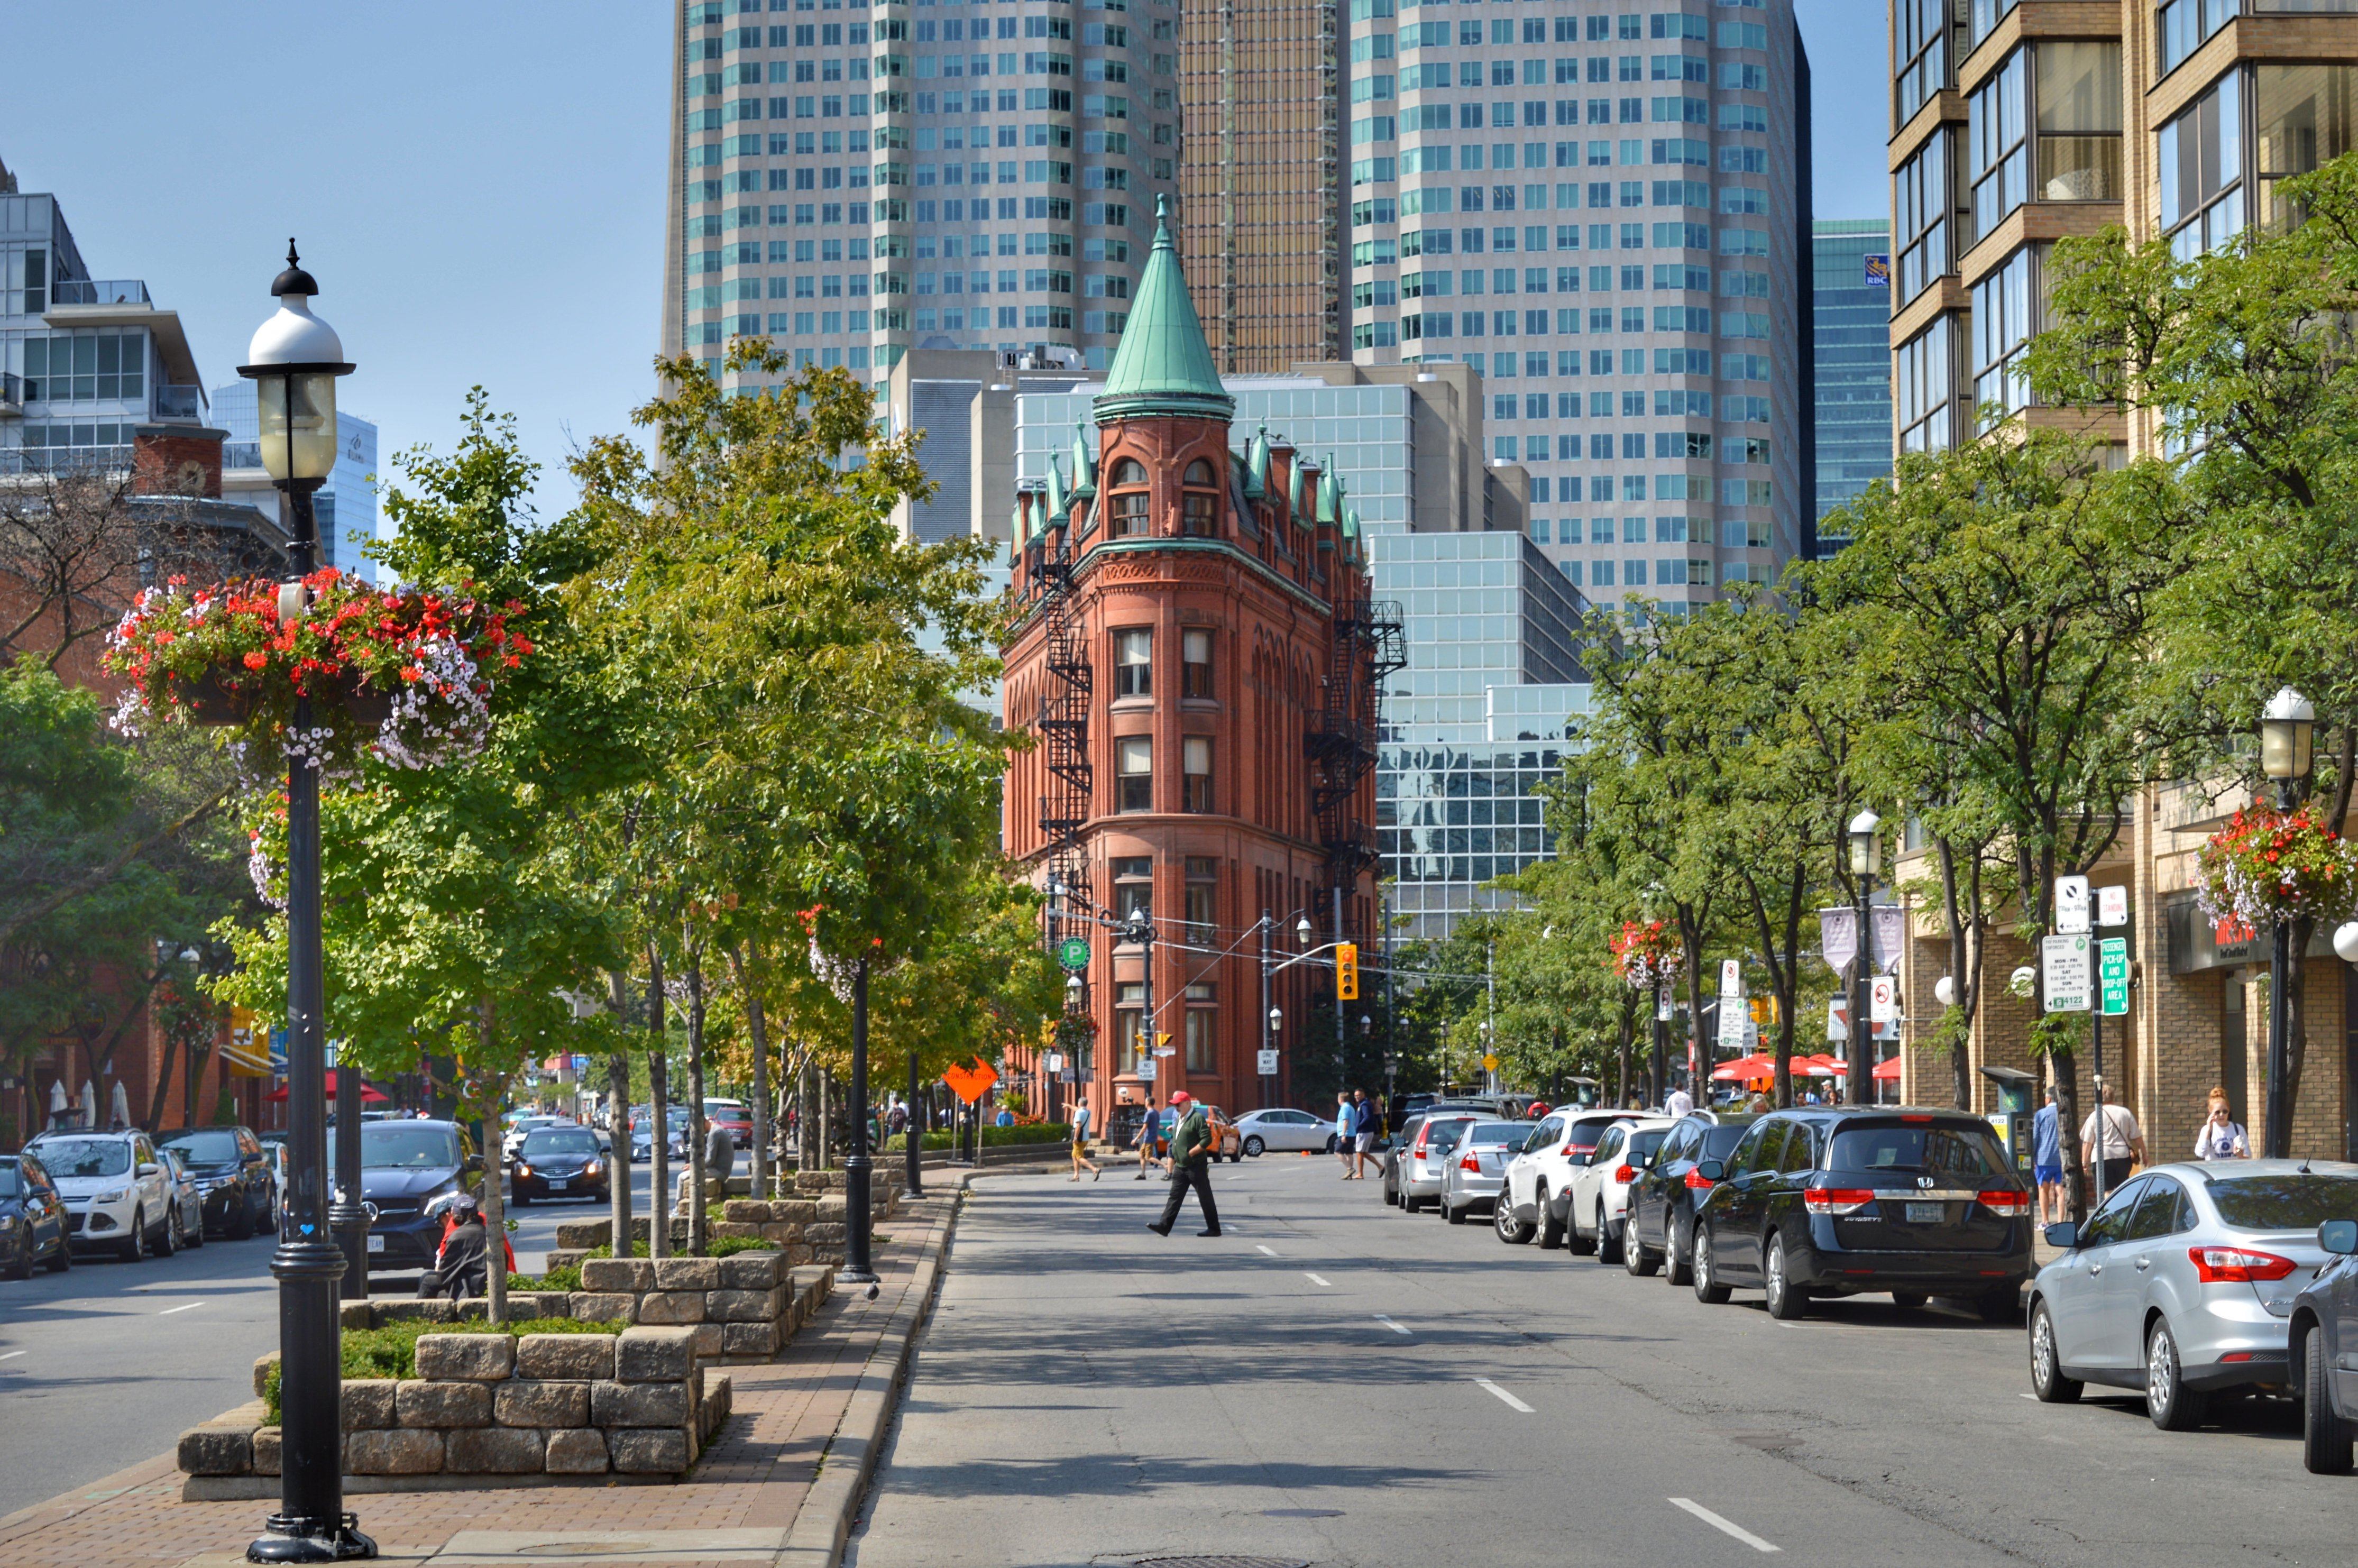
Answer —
1576 1149
2224 1265
1470 1163
2012 1205
1419 1146
1835 1200
1625 1173
1697 1180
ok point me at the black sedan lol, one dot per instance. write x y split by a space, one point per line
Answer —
1838 1201
558 1163
2324 1340
407 1170
233 1173
1659 1229
32 1219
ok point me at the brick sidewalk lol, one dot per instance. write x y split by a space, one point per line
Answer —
737 1506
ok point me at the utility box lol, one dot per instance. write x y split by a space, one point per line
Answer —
2012 1119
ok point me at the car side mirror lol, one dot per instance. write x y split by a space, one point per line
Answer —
149 1168
2339 1237
1711 1171
474 1164
2066 1235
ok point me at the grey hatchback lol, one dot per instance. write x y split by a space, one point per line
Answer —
2185 1283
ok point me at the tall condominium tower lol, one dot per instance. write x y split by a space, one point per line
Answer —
1260 93
856 180
1850 304
1607 210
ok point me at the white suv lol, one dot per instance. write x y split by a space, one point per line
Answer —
115 1191
1538 1195
1600 1189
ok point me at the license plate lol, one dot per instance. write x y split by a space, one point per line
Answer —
559 1186
1927 1213
376 1244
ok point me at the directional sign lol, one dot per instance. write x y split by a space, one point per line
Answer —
2111 906
1073 952
2072 905
2112 975
1267 1064
2063 963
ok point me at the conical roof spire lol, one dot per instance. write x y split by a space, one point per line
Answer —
1162 364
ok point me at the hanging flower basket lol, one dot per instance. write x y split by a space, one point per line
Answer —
1646 954
2266 865
404 677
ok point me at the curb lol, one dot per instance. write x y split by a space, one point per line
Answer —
823 1525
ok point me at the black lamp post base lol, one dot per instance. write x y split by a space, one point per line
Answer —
310 1541
855 1276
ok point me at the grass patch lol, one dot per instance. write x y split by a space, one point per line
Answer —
992 1137
374 1355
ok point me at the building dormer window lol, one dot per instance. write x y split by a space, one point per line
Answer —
1129 508
1200 508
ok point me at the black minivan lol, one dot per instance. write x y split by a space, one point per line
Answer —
1838 1201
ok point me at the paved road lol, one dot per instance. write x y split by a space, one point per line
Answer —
1334 1382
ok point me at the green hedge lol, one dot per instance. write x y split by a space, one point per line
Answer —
992 1137
391 1352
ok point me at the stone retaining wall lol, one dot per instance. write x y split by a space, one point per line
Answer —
807 1229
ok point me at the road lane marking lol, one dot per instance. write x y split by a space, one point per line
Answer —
1317 1280
1512 1403
2025 1396
1259 1247
170 1310
11 1356
1727 1526
1388 1323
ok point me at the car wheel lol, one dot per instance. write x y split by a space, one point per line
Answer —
243 1221
1786 1300
1454 1213
1330 1143
1908 1298
2047 1379
2325 1446
1253 1146
1511 1231
1608 1246
64 1259
21 1268
133 1248
2173 1406
1551 1228
1999 1306
518 1200
1707 1288
195 1235
1675 1268
166 1240
1636 1257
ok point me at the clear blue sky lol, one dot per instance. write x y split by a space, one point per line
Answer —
478 187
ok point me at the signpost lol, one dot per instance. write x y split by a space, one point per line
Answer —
2063 963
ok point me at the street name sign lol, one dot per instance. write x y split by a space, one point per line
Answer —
2063 963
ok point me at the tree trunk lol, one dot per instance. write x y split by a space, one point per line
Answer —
758 1036
805 1097
163 1082
826 1119
697 1220
495 1221
1960 964
618 1117
659 1202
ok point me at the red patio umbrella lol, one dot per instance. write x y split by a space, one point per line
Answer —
1887 1072
370 1093
1744 1069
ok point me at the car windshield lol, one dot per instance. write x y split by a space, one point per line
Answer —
1971 1153
1499 1132
2288 1201
402 1145
562 1141
205 1146
86 1156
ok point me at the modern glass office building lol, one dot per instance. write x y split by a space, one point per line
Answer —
1850 299
345 507
1608 212
855 181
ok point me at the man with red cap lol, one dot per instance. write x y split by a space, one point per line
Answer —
1190 1163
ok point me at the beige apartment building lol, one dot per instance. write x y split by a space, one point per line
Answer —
2016 123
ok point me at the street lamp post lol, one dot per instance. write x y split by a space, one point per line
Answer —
1269 1014
2287 726
1865 860
858 1269
294 360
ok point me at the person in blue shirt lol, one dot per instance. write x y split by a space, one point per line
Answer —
1005 1118
1347 1119
2047 1162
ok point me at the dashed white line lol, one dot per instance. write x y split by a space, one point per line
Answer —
11 1356
1388 1323
1259 1247
1512 1403
1727 1526
170 1310
2032 1396
1318 1279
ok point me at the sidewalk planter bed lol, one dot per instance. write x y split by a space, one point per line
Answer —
1049 1132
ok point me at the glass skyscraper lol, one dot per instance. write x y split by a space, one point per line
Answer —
1608 212
855 180
1850 297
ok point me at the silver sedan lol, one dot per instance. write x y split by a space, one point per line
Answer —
1477 1168
2182 1283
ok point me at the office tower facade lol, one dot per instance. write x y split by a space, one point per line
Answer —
345 505
856 181
1850 304
1261 178
1608 212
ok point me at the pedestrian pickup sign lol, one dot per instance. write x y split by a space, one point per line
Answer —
2063 964
2113 976
1073 952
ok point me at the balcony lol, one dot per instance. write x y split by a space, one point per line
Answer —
180 403
100 291
12 396
241 454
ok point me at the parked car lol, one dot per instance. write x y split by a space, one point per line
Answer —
407 1170
1841 1200
1657 1231
234 1172
33 1218
1424 1168
1597 1210
1284 1132
1539 1184
1471 1180
186 1199
733 1114
114 1191
559 1162
2323 1337
2185 1283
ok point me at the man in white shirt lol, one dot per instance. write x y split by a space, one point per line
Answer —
2122 1144
1678 1102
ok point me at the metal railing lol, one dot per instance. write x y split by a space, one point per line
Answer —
100 291
241 454
63 459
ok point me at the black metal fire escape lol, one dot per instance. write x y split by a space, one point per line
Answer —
1368 646
1064 804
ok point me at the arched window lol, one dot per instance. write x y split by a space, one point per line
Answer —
1129 506
1199 508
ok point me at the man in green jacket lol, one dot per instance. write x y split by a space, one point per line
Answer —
1191 1166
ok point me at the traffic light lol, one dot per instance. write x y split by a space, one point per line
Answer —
1346 971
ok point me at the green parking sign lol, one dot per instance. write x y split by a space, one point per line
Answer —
2113 976
1072 952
